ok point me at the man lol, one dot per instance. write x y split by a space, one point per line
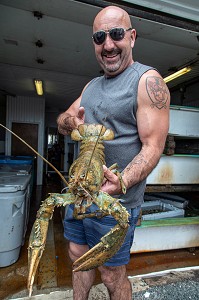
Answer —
133 100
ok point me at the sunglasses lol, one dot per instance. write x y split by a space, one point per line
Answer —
116 34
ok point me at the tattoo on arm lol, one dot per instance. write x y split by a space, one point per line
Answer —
138 160
157 91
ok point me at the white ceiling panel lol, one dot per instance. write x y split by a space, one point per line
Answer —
66 61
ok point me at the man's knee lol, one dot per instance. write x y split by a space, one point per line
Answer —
75 251
112 275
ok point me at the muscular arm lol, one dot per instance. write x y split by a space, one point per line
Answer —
153 124
72 117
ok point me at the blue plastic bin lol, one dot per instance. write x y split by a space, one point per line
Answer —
22 160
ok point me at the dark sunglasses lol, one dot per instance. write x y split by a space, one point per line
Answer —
116 34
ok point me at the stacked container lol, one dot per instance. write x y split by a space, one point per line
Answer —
16 181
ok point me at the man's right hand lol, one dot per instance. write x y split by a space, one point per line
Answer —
67 122
81 115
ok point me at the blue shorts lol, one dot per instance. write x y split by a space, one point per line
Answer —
90 230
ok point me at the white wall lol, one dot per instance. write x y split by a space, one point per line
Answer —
27 110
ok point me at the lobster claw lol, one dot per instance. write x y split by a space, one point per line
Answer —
35 249
37 239
39 232
100 253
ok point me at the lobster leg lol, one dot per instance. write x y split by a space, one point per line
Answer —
114 169
112 241
39 231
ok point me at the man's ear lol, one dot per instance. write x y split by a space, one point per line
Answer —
133 37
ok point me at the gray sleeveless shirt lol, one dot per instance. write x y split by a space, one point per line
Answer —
112 101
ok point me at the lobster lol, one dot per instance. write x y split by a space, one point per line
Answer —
83 189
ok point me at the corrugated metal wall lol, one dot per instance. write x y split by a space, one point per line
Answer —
27 110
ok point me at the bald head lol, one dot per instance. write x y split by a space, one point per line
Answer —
112 14
113 40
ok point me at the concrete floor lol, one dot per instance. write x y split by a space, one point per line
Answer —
54 273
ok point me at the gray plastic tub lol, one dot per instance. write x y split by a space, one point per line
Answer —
14 193
16 169
153 210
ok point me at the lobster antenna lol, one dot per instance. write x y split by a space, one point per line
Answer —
94 149
57 171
